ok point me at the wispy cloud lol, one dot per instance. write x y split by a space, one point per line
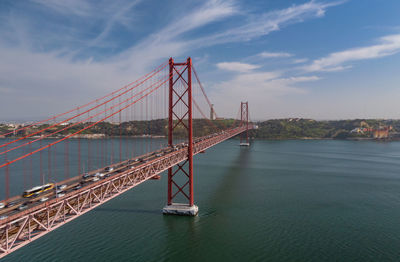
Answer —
274 55
300 60
71 7
169 40
265 23
53 57
387 45
119 17
211 11
237 66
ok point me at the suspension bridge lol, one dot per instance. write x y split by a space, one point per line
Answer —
60 168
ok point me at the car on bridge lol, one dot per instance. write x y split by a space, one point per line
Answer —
43 199
86 175
60 194
109 169
61 187
99 175
11 204
23 206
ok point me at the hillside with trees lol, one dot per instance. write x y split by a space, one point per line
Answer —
291 128
298 128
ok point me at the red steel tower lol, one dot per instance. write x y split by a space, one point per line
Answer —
244 117
180 180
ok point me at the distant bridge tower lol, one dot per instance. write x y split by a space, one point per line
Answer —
180 110
212 113
244 117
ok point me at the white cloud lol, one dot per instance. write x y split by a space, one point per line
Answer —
117 17
259 89
236 66
266 23
70 7
274 55
338 61
33 70
34 77
168 41
211 11
300 60
46 76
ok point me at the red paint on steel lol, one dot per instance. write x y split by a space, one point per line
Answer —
190 126
170 123
7 178
174 110
244 117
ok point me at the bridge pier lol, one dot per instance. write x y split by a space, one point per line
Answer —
181 209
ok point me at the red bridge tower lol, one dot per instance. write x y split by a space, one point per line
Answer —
180 180
244 117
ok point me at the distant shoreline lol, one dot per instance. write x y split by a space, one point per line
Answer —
252 138
276 129
337 139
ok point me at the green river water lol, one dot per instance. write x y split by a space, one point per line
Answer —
274 201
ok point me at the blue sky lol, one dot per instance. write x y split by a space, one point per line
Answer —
311 59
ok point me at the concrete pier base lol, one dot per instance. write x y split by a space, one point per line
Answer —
245 144
180 209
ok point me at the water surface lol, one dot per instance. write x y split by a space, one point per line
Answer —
273 201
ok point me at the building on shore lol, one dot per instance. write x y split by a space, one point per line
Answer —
90 136
381 132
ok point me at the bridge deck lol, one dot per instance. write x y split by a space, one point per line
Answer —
40 218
